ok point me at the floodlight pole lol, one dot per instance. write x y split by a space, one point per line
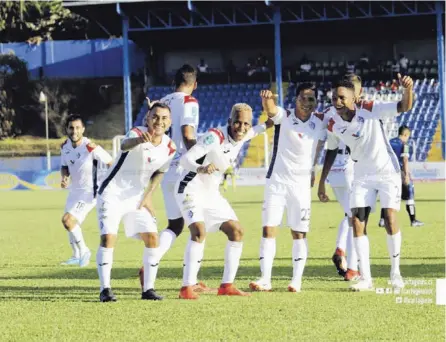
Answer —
441 78
126 69
278 54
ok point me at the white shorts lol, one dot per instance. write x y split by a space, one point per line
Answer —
173 212
340 178
112 210
211 208
342 195
295 198
366 190
79 204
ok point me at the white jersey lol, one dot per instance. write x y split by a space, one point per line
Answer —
184 112
294 147
132 170
82 162
216 147
365 136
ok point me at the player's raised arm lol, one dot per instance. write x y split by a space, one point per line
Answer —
189 121
406 102
133 138
269 106
205 144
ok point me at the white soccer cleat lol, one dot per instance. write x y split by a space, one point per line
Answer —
72 261
397 281
295 286
84 260
362 285
260 285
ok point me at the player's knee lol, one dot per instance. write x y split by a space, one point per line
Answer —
68 221
197 232
237 232
176 226
361 214
108 240
269 232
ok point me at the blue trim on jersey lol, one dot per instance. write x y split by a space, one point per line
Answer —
276 145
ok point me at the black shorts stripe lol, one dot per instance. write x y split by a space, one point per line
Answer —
276 145
191 175
95 177
113 172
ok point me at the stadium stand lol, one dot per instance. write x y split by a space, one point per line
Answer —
216 101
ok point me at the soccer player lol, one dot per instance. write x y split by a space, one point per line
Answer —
376 170
79 161
340 179
125 194
203 207
288 181
401 149
185 116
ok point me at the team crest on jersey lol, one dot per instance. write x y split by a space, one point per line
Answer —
312 125
209 139
360 119
72 162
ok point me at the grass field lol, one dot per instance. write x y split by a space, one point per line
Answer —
42 301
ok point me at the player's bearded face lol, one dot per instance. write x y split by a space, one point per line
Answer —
343 100
159 121
241 124
75 130
306 102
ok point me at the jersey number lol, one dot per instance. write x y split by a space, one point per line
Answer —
305 214
80 205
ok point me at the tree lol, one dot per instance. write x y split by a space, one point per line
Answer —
36 21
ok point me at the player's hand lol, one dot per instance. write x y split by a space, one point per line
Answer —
208 169
405 81
151 103
313 177
145 137
266 94
64 182
321 193
147 203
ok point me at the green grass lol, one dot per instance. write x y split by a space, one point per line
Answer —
40 300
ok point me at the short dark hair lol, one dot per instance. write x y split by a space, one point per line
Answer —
160 105
344 84
73 117
353 78
402 129
185 75
305 86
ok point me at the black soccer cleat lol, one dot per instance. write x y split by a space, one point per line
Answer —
107 296
150 294
339 262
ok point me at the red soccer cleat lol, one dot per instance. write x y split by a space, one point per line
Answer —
187 292
202 288
231 290
351 275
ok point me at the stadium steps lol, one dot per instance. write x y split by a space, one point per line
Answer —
435 154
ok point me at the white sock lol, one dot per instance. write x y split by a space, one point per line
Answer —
300 253
104 262
267 254
192 262
341 239
394 248
352 256
151 261
76 235
233 252
166 238
363 251
74 247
